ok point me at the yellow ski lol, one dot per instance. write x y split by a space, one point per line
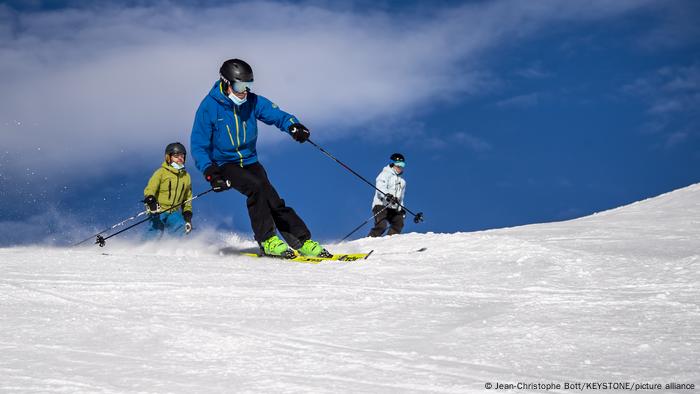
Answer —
316 260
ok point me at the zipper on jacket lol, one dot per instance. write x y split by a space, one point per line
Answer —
238 134
170 186
230 136
176 185
178 192
397 186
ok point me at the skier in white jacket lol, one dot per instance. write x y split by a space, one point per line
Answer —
387 207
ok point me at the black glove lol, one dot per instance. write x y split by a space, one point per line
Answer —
418 218
188 221
213 175
299 132
390 199
151 204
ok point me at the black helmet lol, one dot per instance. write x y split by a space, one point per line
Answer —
175 148
397 160
397 157
235 70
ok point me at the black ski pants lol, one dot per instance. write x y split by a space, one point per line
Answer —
266 209
384 216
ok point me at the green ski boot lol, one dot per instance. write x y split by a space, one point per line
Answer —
313 249
274 246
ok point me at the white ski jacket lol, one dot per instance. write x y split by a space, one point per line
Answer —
391 183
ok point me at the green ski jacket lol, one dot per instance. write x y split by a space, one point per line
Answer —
170 187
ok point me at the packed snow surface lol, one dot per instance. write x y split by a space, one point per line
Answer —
613 297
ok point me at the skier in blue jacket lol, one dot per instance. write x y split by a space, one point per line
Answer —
223 146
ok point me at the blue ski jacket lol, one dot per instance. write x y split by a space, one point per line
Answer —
226 133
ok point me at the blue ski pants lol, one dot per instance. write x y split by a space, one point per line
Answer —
170 223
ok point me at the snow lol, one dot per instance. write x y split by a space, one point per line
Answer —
613 297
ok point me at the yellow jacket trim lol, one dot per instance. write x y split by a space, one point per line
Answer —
230 136
238 135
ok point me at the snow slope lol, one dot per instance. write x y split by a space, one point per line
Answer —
613 297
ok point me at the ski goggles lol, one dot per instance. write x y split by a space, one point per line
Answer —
241 87
401 164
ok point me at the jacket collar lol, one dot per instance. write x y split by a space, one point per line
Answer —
390 170
171 169
218 94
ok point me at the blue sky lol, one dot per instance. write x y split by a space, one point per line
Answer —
508 112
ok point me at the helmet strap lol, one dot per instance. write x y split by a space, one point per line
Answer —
224 85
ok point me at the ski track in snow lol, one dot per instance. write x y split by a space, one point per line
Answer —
610 297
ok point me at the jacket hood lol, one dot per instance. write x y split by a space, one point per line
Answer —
217 93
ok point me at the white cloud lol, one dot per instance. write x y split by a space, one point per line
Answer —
472 142
681 79
662 106
669 89
457 140
672 94
676 138
520 101
87 82
533 71
678 26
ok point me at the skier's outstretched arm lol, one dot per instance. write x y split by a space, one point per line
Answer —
270 114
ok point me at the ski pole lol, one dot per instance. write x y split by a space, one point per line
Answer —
110 228
363 223
100 240
418 217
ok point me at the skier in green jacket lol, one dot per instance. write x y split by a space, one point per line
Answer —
169 186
